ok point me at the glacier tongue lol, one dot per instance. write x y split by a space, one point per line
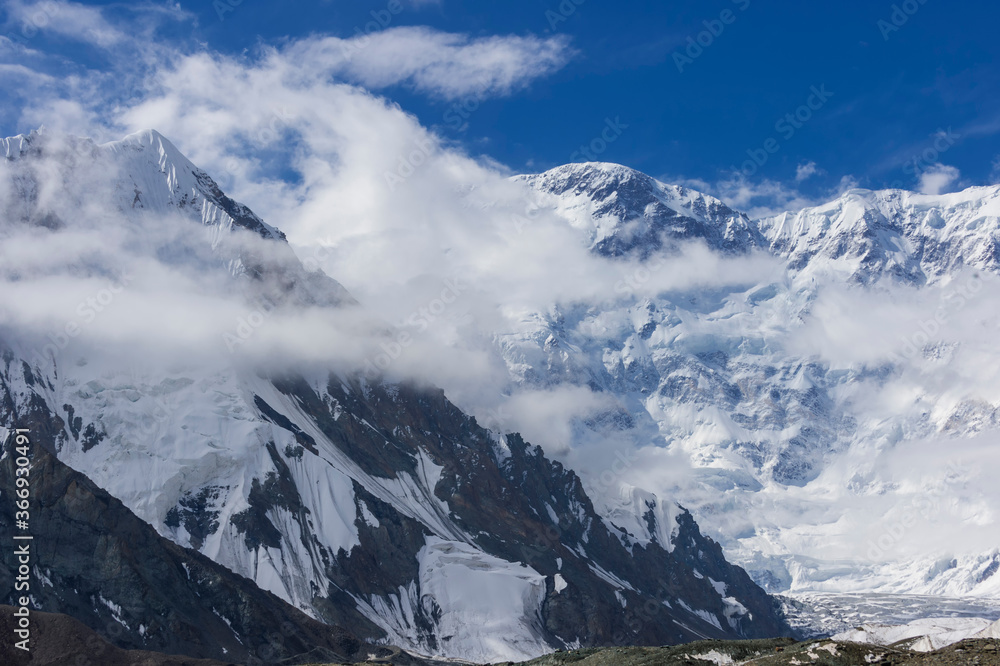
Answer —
932 633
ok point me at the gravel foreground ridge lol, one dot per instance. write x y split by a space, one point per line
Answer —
778 652
63 640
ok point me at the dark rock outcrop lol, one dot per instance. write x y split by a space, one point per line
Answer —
96 561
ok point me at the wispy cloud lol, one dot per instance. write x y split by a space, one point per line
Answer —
805 171
446 65
766 197
436 243
71 20
938 178
357 182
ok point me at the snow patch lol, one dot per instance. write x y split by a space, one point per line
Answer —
367 515
933 633
715 657
490 609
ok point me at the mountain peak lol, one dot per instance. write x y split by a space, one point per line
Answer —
591 177
628 212
161 175
151 139
612 169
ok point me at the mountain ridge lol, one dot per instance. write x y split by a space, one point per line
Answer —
724 377
704 373
354 499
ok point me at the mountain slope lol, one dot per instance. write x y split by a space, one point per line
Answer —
364 503
94 560
806 402
60 639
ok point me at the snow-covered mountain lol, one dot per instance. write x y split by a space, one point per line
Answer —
375 506
915 238
830 419
837 416
623 211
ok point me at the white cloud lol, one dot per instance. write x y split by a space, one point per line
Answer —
763 198
938 178
23 73
447 65
546 417
358 183
805 171
379 202
73 20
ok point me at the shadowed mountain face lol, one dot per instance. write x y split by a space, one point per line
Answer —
376 507
59 639
498 517
94 560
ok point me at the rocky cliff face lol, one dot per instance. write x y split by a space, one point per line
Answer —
441 510
94 560
60 639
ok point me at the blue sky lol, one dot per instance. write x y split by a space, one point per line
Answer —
693 89
889 96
